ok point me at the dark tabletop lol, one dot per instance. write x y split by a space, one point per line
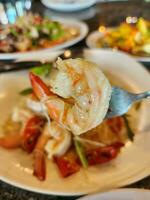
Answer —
108 14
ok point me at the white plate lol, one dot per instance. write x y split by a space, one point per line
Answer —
92 38
82 15
68 7
132 164
70 22
120 194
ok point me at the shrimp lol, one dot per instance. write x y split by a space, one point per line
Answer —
60 141
39 155
55 141
25 138
12 141
79 95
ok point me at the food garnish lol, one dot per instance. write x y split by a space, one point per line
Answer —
129 130
26 91
42 70
80 151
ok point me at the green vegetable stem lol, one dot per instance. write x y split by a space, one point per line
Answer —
80 152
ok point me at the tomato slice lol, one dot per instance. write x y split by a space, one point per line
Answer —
67 164
31 133
103 154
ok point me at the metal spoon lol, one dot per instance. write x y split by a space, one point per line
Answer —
121 100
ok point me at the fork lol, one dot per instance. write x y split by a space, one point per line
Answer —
122 100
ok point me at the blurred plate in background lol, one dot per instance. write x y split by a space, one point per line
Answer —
68 5
120 194
91 42
83 29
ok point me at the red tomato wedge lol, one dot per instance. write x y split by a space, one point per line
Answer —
103 154
67 164
31 133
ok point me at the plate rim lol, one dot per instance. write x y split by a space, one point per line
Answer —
138 190
48 192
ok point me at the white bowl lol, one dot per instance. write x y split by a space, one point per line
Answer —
68 7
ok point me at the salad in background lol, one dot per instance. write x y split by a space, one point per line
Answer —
32 32
131 38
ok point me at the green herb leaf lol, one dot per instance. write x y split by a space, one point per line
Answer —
26 91
42 70
14 32
129 130
52 25
55 35
80 152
